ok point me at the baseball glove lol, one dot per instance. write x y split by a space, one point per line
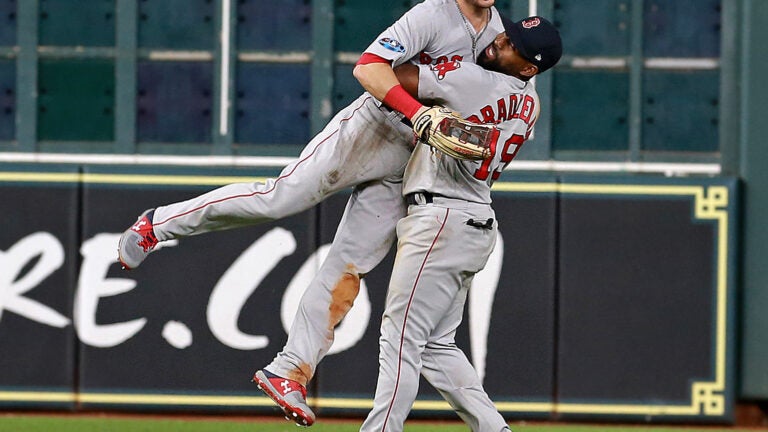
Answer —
446 131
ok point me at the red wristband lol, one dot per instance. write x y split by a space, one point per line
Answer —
399 99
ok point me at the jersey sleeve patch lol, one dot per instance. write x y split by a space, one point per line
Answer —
392 45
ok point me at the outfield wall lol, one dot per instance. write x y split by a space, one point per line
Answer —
606 298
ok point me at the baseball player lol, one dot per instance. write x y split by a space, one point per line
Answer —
450 227
366 145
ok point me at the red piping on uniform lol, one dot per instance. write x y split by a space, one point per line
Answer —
276 180
405 319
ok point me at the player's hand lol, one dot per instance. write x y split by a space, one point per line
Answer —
446 131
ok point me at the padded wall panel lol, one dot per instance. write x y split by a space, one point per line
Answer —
681 28
645 299
681 111
358 22
504 6
76 100
590 120
594 27
177 24
7 100
39 258
346 88
283 25
272 104
174 101
77 22
754 158
9 22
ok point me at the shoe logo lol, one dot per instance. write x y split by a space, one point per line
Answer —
139 224
286 385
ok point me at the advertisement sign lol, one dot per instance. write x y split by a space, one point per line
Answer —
602 298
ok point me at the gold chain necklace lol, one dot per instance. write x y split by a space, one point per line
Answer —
470 30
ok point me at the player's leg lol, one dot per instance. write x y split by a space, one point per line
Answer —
448 370
365 235
445 366
437 254
360 144
297 188
347 152
426 278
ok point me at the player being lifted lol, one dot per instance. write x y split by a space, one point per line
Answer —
366 145
433 32
365 142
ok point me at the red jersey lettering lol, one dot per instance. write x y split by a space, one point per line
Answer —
512 107
513 110
488 114
527 109
444 68
502 111
508 152
425 59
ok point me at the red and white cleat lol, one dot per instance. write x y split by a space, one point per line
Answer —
288 394
137 242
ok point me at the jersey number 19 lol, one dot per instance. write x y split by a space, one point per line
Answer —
511 146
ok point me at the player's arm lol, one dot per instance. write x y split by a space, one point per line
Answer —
408 76
401 41
446 131
377 77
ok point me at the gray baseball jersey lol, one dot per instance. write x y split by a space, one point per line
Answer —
446 238
364 146
434 32
486 97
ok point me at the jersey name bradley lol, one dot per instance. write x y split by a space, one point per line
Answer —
514 106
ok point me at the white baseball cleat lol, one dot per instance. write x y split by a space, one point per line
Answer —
288 394
137 242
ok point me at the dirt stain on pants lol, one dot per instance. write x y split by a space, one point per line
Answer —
301 374
343 296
